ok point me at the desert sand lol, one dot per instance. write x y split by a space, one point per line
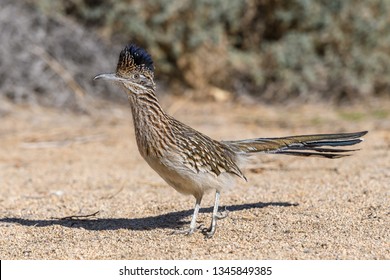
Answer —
73 186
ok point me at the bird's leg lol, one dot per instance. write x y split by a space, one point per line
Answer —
191 229
216 216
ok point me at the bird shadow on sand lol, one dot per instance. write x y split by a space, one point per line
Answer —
169 220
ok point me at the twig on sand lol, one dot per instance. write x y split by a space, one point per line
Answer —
77 217
110 196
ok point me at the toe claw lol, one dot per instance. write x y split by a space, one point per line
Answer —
208 232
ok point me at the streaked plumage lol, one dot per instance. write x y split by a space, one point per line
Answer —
192 162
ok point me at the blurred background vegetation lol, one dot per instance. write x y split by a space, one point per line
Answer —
273 50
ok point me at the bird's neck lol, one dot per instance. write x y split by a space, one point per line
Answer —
151 123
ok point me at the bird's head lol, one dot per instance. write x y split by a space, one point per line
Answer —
134 71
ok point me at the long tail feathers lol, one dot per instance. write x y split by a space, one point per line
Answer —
301 145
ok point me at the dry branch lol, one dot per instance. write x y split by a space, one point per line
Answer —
78 217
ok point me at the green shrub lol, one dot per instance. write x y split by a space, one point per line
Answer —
333 49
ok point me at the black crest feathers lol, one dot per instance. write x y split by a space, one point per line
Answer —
132 57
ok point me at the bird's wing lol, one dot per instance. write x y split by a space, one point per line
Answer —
200 153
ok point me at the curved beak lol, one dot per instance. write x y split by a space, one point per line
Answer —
111 77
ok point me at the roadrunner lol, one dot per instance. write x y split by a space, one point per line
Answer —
190 161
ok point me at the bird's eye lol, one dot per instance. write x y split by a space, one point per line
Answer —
136 76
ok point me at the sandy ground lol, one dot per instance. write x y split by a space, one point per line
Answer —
55 165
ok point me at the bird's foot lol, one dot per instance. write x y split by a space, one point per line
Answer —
208 232
185 231
222 215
